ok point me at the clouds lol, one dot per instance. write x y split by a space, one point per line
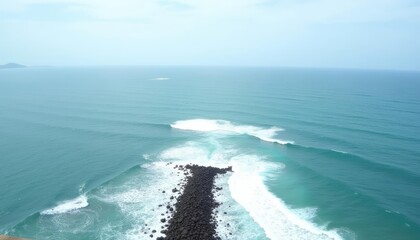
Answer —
195 13
316 10
216 32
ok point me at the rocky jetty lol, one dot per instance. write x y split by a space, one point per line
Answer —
189 213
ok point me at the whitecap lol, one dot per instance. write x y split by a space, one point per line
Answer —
160 79
339 151
227 127
306 213
68 206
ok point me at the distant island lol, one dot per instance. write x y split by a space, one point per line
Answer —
12 65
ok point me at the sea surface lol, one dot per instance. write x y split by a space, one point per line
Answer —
316 153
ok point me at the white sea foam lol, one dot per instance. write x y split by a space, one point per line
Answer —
138 198
271 213
339 151
252 211
68 206
160 79
234 223
146 156
78 221
246 186
306 213
226 127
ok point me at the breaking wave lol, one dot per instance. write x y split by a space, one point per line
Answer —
246 187
68 206
227 127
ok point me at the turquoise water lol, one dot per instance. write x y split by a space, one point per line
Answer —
317 154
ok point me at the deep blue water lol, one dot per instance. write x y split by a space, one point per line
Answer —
317 153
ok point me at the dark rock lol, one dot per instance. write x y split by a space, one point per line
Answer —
193 218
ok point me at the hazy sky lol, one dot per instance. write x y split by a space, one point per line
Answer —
317 33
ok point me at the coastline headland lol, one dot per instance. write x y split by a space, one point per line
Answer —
12 65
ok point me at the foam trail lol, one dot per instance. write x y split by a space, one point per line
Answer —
226 127
246 186
279 222
67 206
234 223
339 151
160 79
249 209
138 198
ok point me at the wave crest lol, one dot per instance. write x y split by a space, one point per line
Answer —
227 127
68 206
277 220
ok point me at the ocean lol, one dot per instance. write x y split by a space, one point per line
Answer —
316 153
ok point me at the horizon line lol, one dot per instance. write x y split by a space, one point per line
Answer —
220 66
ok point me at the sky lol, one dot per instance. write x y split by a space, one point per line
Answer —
377 34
